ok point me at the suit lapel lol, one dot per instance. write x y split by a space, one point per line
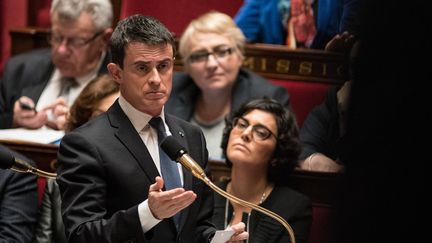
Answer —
127 134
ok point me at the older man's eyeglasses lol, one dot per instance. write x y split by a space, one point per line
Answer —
56 39
259 132
218 53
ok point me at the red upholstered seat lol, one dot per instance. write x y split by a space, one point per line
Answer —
304 96
43 18
321 229
176 15
41 188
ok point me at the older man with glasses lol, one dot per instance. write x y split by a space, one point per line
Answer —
38 87
214 82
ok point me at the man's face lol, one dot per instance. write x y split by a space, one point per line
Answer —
146 77
76 45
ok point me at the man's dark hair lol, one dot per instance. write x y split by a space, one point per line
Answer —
138 28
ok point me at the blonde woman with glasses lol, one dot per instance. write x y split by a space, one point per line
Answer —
213 82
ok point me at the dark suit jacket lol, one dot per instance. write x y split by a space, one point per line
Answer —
18 205
105 171
248 86
291 205
27 74
320 133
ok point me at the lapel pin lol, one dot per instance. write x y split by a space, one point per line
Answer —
181 134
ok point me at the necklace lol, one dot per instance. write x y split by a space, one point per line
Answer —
263 197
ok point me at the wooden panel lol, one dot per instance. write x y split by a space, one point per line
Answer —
319 186
28 38
279 62
270 61
45 155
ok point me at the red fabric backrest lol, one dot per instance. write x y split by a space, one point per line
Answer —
304 96
176 15
42 15
12 14
321 228
41 188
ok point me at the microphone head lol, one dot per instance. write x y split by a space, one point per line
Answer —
172 148
6 158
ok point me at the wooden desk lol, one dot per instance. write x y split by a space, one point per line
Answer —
45 155
320 187
28 38
271 61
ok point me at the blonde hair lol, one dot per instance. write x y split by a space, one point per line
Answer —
211 22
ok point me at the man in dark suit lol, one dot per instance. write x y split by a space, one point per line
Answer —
49 80
18 203
109 169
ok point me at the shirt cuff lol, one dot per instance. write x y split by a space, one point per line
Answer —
146 217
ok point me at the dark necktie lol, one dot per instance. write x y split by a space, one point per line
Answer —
169 169
66 83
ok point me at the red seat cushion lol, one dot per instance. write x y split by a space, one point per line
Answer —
304 96
41 188
321 228
176 15
43 18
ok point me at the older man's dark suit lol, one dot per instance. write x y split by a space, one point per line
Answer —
27 74
105 171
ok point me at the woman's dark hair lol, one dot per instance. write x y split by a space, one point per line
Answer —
88 100
288 146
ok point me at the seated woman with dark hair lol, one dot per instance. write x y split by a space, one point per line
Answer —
261 145
93 100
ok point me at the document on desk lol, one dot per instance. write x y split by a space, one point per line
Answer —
45 136
222 236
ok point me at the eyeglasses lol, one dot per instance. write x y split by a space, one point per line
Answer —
218 53
259 132
56 39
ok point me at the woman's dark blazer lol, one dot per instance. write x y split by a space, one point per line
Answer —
291 205
248 86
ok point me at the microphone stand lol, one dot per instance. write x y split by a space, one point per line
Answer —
24 167
199 173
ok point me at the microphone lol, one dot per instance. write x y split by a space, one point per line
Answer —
178 153
8 161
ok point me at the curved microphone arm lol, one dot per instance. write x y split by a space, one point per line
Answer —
24 167
199 173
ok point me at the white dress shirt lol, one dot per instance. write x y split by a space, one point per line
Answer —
148 135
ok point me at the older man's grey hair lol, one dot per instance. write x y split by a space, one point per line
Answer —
100 10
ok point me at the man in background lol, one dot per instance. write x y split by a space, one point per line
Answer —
38 87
